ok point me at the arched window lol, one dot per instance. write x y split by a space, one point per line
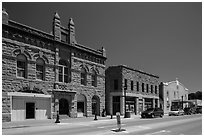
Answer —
21 66
63 71
40 69
83 76
94 78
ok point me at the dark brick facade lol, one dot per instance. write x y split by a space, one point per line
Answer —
138 98
19 39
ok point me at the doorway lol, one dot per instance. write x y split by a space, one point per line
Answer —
30 110
63 107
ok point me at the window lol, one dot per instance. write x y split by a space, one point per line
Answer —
167 93
142 87
63 71
115 84
132 85
125 84
174 94
83 76
147 88
40 70
155 89
21 66
94 78
138 86
151 88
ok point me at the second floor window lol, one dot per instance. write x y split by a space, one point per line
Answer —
155 89
151 88
138 86
132 85
21 66
142 87
94 78
125 86
40 69
83 76
147 86
63 71
115 84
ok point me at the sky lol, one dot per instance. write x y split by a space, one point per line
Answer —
164 39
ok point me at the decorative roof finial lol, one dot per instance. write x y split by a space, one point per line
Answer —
57 15
177 82
71 21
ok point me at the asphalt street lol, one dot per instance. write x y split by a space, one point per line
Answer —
174 125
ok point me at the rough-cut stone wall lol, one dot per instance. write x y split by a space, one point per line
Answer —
89 91
20 39
10 82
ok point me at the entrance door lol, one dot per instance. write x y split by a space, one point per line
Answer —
30 110
63 107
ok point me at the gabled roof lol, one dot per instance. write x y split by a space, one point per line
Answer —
176 82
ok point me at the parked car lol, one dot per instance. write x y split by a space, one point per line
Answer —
199 110
176 112
152 112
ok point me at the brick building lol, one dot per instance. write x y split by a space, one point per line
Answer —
173 94
44 73
142 90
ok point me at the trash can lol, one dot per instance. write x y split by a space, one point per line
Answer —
127 114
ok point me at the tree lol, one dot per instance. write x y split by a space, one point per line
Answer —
197 95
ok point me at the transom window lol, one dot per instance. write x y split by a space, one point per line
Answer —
63 71
21 66
40 69
83 76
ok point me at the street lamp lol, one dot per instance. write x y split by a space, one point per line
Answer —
125 88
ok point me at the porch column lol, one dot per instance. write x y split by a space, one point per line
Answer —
137 105
153 103
143 105
110 105
157 101
122 107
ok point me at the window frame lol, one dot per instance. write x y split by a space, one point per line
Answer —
20 69
132 85
94 78
42 71
83 77
115 82
61 71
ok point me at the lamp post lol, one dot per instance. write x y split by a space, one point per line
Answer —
125 88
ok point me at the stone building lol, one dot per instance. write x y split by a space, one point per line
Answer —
173 94
142 90
44 73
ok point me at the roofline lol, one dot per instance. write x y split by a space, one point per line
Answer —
51 37
167 83
140 71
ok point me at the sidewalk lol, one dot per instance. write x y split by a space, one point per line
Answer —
34 123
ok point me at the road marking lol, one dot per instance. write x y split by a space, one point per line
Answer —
159 132
110 126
